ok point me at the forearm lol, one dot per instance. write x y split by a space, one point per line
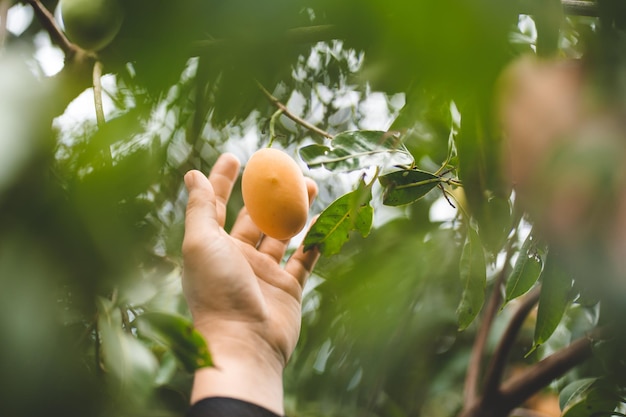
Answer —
243 370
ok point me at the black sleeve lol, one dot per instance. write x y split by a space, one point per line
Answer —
227 407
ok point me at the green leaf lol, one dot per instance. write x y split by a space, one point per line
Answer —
473 273
572 391
407 186
177 333
130 361
589 397
332 229
356 150
556 295
526 271
494 222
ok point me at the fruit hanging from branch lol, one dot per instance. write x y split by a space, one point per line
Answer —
91 24
275 193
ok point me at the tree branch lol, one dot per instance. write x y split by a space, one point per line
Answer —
519 389
292 116
472 377
56 34
498 361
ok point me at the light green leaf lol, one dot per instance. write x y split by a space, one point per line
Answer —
526 271
124 356
556 295
351 212
571 392
473 273
178 334
359 149
407 186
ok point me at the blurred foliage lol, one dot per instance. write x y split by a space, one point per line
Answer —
91 217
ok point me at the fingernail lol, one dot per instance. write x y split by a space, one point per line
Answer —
190 178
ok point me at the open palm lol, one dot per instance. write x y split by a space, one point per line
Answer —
235 286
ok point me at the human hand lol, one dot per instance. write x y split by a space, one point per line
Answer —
246 305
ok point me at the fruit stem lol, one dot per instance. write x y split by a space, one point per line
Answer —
97 93
273 119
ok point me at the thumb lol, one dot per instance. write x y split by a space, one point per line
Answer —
201 214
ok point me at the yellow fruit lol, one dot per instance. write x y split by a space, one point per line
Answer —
275 193
91 24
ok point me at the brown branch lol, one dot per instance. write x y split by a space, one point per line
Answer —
497 364
292 116
472 376
56 34
519 389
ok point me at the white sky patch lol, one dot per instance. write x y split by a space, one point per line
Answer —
442 211
49 57
19 18
375 112
82 108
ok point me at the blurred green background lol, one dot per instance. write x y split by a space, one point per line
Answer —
91 217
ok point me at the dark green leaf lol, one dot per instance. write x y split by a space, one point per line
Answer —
526 271
473 273
332 229
589 397
177 333
556 295
407 186
356 150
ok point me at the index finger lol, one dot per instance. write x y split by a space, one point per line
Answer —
223 177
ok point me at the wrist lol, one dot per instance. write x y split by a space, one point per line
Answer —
245 367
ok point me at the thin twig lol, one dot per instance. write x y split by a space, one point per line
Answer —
496 367
56 34
445 195
292 116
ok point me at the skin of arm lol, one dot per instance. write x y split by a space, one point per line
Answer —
244 302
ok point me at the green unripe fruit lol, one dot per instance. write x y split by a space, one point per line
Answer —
91 24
